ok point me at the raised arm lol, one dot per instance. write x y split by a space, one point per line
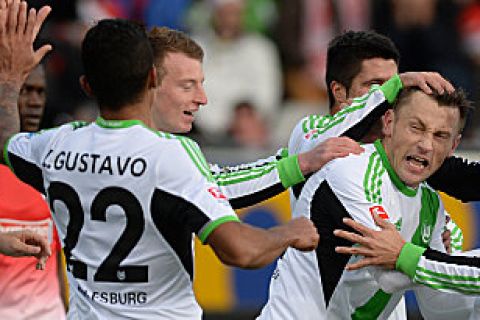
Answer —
18 31
356 120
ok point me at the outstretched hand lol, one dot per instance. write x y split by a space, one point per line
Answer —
426 81
379 248
326 151
18 31
25 243
19 28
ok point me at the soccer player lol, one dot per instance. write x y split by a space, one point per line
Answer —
387 179
356 60
125 198
180 95
26 294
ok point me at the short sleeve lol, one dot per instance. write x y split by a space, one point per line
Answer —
201 206
23 153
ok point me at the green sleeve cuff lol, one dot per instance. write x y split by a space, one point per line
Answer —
408 259
5 154
205 232
284 153
289 171
391 88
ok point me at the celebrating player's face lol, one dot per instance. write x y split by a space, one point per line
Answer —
180 94
32 99
373 71
419 136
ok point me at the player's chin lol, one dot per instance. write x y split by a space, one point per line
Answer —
186 127
31 126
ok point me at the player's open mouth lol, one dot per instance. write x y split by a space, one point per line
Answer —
33 116
417 161
188 113
33 119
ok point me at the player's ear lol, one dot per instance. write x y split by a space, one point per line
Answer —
339 93
456 142
85 86
152 78
387 121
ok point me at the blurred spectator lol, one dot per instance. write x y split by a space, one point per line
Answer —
90 11
303 31
27 293
427 37
166 13
248 129
469 27
151 12
238 66
259 16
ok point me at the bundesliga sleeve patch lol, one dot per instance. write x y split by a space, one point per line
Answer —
310 134
216 193
380 211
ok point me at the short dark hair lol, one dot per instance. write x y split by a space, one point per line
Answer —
457 99
117 58
347 51
165 40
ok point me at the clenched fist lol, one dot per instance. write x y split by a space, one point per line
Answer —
305 232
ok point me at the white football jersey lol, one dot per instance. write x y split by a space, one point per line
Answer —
315 285
353 121
126 201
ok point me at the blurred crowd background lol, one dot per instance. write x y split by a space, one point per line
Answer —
264 69
265 59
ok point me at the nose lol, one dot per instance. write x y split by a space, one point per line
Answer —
426 143
35 100
201 96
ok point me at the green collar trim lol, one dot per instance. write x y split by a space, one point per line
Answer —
406 190
117 124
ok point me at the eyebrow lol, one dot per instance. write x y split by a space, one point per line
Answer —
444 131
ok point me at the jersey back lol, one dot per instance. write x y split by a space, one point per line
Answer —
126 201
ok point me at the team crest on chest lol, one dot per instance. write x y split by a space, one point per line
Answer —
426 233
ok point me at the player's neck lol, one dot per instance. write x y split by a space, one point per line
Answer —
134 111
